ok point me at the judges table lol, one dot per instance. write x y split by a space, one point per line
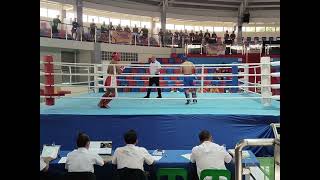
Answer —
170 159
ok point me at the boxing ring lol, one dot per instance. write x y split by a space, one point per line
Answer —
238 111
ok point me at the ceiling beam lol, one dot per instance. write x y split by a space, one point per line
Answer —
203 4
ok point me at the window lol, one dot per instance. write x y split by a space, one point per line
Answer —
70 16
249 29
170 26
179 27
210 29
218 29
125 56
43 12
125 22
278 29
53 13
260 29
84 18
229 29
94 18
147 24
270 29
103 19
198 28
137 23
189 28
115 22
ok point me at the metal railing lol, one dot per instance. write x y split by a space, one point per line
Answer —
256 142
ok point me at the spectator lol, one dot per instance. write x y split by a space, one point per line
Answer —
55 23
104 27
226 36
81 160
161 34
131 156
233 36
176 37
144 31
200 36
214 35
191 35
110 27
207 36
93 27
75 26
119 28
180 37
135 31
209 155
196 38
127 29
170 37
186 37
167 37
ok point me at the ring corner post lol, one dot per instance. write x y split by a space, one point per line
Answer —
265 82
49 79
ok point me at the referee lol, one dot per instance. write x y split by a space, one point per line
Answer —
154 68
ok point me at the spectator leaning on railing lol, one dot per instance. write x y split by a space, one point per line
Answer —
119 28
55 22
127 29
93 27
75 26
104 27
161 34
144 31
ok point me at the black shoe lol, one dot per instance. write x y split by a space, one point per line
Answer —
147 97
159 97
188 102
195 101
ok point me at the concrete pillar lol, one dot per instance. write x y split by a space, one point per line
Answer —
163 14
78 11
153 27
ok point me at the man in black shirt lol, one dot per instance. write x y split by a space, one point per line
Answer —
127 29
110 27
93 27
103 27
160 34
233 36
144 31
55 22
207 36
191 35
226 36
75 26
119 28
200 36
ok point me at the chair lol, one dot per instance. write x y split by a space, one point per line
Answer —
215 174
130 174
80 176
172 173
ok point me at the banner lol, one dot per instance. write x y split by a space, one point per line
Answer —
121 37
216 49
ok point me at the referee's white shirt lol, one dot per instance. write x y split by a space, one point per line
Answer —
154 66
132 157
80 160
209 155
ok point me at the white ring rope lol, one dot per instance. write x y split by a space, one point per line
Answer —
141 98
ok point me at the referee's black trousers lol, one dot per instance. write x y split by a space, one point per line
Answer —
154 80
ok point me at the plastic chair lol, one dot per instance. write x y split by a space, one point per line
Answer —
215 174
172 173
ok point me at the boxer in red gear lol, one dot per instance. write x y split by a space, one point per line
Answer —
111 80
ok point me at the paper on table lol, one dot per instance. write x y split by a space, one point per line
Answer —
157 158
62 160
187 156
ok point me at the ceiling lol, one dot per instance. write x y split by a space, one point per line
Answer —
228 5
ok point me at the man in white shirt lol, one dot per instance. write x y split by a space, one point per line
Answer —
209 155
80 160
131 156
154 68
